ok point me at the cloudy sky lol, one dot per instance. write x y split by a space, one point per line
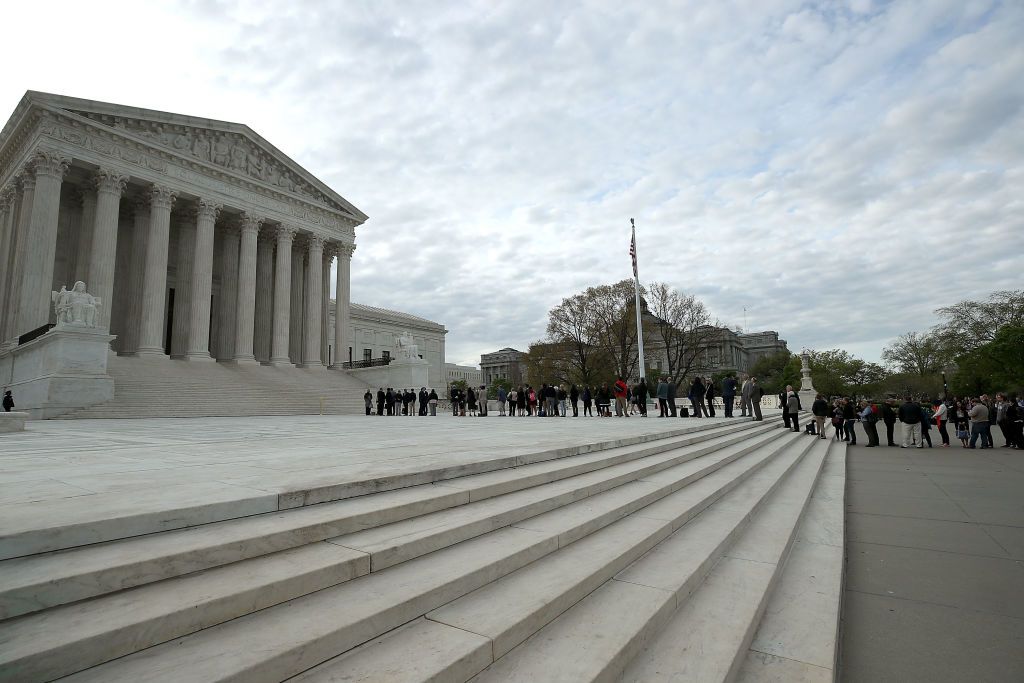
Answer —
835 169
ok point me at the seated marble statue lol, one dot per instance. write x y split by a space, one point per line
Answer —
407 349
76 307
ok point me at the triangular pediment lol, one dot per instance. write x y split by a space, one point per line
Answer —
233 147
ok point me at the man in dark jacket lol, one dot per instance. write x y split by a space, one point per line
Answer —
729 394
574 397
9 402
671 396
641 396
709 395
380 401
909 414
697 398
889 417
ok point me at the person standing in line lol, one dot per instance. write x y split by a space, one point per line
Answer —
502 398
728 394
662 398
563 397
849 421
889 417
709 396
588 399
1015 420
909 415
671 396
940 411
838 421
389 402
783 398
522 401
1004 426
755 399
620 389
870 421
819 409
367 401
432 400
574 399
991 419
792 408
696 396
926 425
513 398
979 423
424 398
745 394
381 398
641 396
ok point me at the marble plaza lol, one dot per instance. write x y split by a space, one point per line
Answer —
362 548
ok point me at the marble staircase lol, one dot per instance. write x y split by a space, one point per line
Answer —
706 554
162 387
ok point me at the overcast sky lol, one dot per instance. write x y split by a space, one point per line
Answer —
838 169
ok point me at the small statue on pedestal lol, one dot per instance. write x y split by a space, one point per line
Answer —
76 307
406 348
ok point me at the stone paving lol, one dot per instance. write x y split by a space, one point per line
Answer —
57 473
935 565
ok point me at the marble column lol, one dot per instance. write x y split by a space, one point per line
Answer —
246 306
325 306
198 347
295 322
282 296
342 297
186 249
136 274
17 257
85 235
41 241
110 184
8 197
264 322
154 279
228 293
311 334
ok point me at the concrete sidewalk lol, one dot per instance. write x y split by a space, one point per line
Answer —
934 586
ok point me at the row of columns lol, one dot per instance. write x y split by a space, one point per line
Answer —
270 327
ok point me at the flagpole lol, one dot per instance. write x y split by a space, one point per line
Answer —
636 283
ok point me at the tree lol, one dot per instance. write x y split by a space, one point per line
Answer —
968 325
501 382
615 333
995 366
921 353
572 332
683 324
774 372
838 373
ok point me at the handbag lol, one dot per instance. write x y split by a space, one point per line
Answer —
836 421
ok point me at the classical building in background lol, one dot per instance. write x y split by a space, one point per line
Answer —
202 240
508 364
374 331
469 374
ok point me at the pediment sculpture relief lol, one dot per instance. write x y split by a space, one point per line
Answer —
228 150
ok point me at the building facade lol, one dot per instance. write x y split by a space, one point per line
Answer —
374 330
467 373
508 364
200 240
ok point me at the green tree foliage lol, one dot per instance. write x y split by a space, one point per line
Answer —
838 373
492 391
997 365
774 372
683 324
967 325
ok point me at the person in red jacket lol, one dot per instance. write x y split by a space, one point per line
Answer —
620 398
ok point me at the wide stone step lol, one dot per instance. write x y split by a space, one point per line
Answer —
596 638
36 582
311 629
797 638
510 610
708 637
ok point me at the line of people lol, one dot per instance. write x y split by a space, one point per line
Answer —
402 402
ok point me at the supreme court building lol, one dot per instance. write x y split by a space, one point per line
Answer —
201 240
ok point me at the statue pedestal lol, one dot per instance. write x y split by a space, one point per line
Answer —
60 371
400 373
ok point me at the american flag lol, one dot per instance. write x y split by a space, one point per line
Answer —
632 250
